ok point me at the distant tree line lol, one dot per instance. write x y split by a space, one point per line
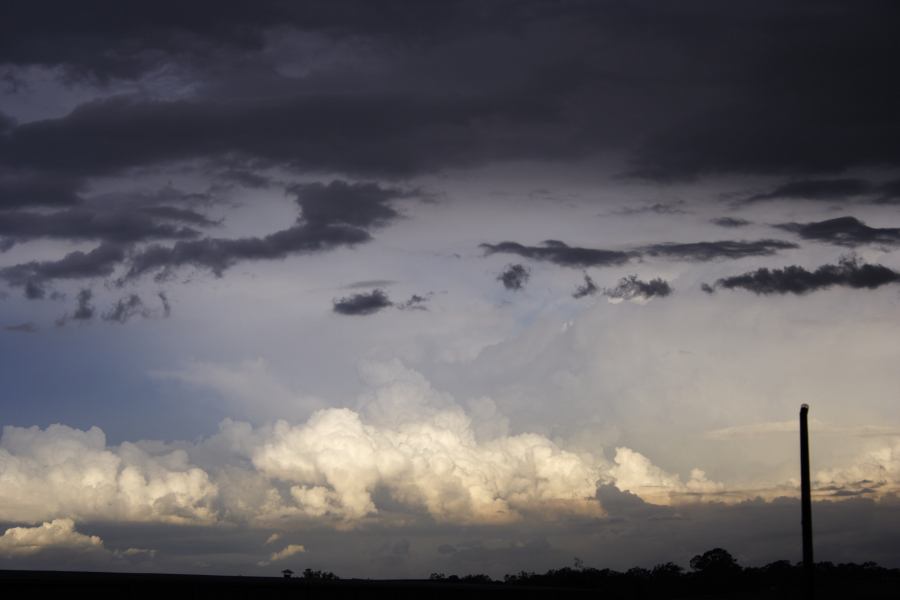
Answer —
312 575
715 572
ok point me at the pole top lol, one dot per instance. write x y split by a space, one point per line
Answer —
804 408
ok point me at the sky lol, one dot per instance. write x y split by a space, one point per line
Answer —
393 288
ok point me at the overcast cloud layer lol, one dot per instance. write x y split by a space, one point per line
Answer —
401 287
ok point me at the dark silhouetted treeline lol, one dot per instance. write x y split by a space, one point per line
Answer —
714 573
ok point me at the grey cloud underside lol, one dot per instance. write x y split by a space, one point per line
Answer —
150 223
166 305
380 133
730 222
99 262
754 87
333 215
514 277
849 272
217 255
844 231
564 255
131 306
628 288
833 189
561 254
659 208
631 287
356 204
362 304
415 302
588 288
368 303
179 215
705 251
84 309
370 283
815 189
20 188
28 327
120 218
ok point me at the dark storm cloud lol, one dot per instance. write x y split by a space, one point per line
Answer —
844 231
99 262
6 123
34 290
889 192
105 39
588 288
362 304
514 277
343 203
849 272
218 254
381 133
816 189
129 41
631 287
212 253
809 90
730 222
568 256
659 208
757 86
885 192
244 178
113 226
626 505
26 189
561 254
704 251
179 215
333 215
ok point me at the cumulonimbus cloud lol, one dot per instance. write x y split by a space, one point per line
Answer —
63 472
407 442
407 452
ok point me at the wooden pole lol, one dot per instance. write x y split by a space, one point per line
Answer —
806 504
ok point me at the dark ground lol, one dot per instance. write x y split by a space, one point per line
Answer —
18 584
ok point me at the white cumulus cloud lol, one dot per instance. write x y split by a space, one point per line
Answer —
57 534
66 472
288 551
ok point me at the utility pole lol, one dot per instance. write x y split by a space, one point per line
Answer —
806 504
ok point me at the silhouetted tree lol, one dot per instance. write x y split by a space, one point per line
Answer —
312 575
667 570
717 561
